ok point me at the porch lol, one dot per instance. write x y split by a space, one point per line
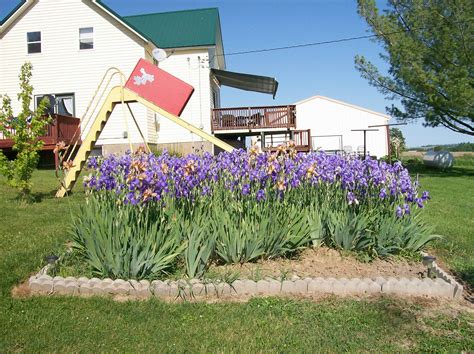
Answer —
62 128
253 119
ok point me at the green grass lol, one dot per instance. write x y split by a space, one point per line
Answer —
451 211
28 233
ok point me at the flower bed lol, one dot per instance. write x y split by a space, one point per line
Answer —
149 215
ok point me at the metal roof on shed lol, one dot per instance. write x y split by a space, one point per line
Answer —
188 28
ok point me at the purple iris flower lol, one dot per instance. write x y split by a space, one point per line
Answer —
260 195
351 198
407 209
399 211
246 189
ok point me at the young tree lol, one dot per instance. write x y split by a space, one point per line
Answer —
429 47
24 130
397 143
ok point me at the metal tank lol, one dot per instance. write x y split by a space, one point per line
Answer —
438 159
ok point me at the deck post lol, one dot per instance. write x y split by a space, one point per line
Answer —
288 116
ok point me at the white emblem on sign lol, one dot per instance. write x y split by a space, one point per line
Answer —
142 80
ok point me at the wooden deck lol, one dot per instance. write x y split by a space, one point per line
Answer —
253 118
301 138
62 128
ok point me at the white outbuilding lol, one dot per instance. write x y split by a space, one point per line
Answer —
336 126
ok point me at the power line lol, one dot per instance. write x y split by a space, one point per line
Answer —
313 44
303 45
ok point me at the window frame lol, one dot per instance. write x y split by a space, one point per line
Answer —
28 42
91 38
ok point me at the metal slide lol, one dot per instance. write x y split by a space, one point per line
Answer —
116 96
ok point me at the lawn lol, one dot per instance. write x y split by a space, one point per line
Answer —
28 233
451 212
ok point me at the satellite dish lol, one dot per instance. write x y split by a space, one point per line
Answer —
159 54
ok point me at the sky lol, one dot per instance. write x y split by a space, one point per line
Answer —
326 70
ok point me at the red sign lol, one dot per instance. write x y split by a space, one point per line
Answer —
159 87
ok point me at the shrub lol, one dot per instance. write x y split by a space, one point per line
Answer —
24 130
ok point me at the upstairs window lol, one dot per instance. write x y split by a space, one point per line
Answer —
34 42
86 38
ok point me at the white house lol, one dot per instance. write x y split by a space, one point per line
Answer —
337 126
71 44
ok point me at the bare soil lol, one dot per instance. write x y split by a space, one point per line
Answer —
322 262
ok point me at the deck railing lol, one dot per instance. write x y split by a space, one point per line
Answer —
62 128
301 138
253 118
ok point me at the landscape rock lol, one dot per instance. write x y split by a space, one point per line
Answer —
287 287
122 289
145 283
109 289
274 287
55 279
173 290
85 289
82 280
316 285
339 287
59 287
210 290
380 280
223 289
69 280
300 287
238 287
45 277
37 287
97 289
262 287
250 287
198 290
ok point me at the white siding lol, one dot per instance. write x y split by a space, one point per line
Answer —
327 117
62 67
192 67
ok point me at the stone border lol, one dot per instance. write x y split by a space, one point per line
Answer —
43 284
440 273
444 286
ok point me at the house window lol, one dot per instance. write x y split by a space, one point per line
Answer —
86 38
62 104
34 42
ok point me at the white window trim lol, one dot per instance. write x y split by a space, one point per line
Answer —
91 37
33 42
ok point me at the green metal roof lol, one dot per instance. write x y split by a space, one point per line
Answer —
188 28
177 29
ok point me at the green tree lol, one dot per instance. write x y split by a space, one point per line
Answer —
24 130
429 47
397 143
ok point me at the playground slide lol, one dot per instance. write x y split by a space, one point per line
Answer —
154 88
